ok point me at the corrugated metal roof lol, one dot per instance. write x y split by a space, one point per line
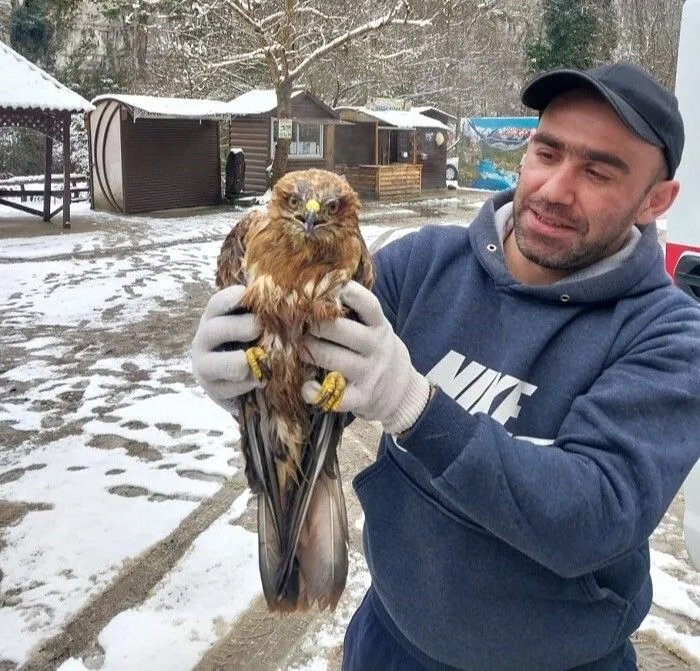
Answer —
24 85
153 107
421 109
257 101
397 119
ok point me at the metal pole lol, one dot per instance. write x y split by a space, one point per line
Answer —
66 171
376 143
48 150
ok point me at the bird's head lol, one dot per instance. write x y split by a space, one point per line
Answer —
314 202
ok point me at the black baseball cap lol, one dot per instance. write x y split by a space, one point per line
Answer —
648 109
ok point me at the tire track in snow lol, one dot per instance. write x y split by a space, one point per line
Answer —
133 585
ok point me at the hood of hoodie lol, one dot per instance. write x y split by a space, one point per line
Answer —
642 272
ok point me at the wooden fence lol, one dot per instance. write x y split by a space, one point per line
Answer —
31 187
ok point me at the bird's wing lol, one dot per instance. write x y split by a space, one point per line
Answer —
256 431
315 526
364 274
252 415
261 473
229 265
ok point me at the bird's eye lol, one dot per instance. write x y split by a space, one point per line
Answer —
333 207
293 200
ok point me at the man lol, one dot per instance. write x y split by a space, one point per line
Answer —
548 411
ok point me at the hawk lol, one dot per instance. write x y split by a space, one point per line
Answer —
293 259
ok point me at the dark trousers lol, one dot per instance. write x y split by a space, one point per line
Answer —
369 646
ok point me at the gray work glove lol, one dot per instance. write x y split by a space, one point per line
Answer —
382 384
218 357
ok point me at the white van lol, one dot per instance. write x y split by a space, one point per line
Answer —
683 222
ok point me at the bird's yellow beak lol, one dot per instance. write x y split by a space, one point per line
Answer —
311 210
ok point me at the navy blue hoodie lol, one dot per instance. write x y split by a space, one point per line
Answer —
509 530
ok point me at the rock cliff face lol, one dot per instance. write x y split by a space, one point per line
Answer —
87 38
84 38
5 20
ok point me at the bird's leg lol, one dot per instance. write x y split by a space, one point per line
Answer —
331 392
259 362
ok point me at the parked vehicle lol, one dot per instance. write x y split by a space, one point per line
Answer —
683 223
452 168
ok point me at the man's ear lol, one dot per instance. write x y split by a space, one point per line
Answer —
657 201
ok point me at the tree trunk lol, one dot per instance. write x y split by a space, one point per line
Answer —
284 111
140 42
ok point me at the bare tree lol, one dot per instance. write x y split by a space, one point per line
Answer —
289 36
464 56
649 31
469 61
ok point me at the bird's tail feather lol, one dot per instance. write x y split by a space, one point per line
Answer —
303 537
262 477
316 521
323 544
288 599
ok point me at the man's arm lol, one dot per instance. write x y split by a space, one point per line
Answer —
620 457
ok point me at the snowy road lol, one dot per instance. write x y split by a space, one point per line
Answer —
126 529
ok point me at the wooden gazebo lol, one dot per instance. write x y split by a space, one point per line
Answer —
31 98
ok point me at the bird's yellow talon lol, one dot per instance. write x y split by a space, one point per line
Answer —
258 361
330 395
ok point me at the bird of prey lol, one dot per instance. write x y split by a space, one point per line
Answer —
293 259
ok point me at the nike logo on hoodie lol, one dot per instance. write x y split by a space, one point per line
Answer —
475 387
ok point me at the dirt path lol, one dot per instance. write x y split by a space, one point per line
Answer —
653 654
260 641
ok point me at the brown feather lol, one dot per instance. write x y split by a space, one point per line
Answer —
293 278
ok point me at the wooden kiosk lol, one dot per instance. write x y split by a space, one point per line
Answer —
389 154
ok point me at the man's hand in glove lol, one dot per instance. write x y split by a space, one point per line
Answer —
218 357
382 384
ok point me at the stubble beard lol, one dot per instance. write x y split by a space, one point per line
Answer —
581 253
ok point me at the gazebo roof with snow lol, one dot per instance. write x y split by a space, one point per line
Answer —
24 85
32 98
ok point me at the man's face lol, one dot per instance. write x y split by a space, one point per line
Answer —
586 179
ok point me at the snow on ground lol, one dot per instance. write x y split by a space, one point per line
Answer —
319 643
137 446
95 507
149 448
56 292
687 644
672 593
209 588
132 232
